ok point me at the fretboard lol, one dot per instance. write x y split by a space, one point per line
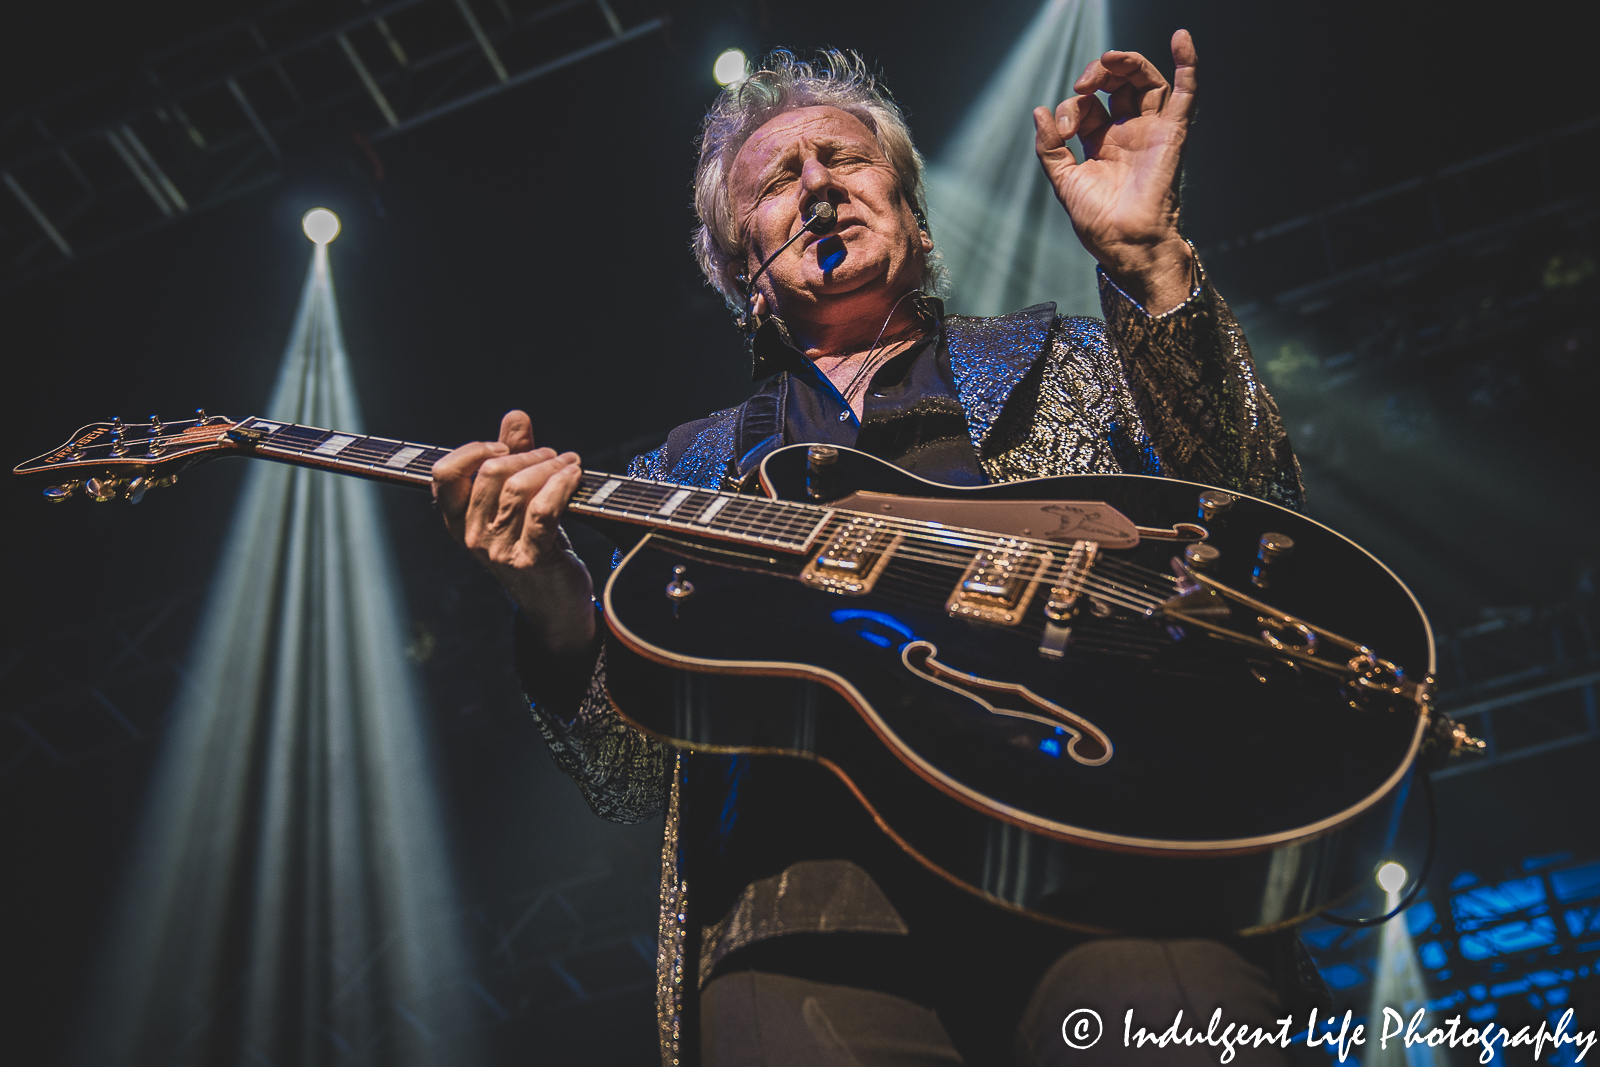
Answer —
379 458
773 524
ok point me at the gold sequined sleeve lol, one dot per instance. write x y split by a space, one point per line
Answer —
622 772
1206 414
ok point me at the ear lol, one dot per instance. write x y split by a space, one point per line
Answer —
758 306
927 241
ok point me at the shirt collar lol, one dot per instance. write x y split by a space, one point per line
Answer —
772 349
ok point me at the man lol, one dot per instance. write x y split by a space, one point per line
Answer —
807 938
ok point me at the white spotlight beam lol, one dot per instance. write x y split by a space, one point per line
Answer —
1004 238
291 896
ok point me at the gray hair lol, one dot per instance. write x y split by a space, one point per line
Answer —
785 83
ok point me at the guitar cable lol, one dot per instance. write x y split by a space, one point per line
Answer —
1422 875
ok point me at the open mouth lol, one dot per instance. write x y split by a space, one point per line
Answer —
830 253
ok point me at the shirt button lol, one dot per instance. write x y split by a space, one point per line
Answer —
844 416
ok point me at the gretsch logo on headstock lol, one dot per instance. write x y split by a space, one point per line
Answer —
66 450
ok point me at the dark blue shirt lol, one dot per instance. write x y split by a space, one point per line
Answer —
910 414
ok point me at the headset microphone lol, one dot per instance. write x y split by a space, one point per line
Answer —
823 217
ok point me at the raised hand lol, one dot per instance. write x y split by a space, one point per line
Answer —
1123 195
503 500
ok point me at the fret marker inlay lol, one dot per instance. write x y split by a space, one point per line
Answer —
334 445
711 510
673 501
402 457
605 491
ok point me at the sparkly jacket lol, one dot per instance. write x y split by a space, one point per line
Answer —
1174 394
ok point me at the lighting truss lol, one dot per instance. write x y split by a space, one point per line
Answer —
1524 680
1401 231
195 126
1520 946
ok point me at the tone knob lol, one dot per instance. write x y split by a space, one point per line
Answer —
821 462
1274 546
1214 502
1201 557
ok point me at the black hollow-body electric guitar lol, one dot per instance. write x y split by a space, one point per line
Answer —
1045 691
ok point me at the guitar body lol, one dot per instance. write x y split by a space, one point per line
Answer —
1037 701
1048 774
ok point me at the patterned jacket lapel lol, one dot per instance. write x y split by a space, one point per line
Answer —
989 356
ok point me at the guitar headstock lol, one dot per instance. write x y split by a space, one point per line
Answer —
107 460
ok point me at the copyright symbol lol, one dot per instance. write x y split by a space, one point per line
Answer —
1082 1028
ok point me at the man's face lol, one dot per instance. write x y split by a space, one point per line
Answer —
822 153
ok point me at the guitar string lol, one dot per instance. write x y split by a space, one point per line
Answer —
1124 594
768 510
1095 590
955 540
777 519
1131 597
782 520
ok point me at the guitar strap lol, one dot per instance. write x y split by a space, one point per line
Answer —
758 431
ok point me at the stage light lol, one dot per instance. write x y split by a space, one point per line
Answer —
1004 239
1391 876
290 898
320 224
730 68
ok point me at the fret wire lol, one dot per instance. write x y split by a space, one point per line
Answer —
747 517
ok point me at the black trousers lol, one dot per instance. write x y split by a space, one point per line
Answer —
753 1018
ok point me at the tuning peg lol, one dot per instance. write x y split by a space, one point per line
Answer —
200 416
102 489
155 446
137 488
59 494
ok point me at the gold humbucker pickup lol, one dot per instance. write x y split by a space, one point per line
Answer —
853 558
999 583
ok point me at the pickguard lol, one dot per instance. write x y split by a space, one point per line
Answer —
921 659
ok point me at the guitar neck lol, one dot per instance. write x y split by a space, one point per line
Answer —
773 524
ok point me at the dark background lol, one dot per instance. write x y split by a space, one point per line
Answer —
532 251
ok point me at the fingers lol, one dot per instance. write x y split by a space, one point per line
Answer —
516 431
1186 72
494 510
1050 137
452 480
543 512
1083 117
1134 84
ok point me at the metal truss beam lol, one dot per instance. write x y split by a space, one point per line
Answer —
198 125
1394 233
103 686
1526 682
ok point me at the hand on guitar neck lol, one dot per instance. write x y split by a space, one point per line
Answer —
503 500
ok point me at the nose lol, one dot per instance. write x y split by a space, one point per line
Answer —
817 182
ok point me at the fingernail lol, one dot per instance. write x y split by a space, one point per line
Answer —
499 448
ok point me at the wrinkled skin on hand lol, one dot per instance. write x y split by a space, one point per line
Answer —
1123 195
503 500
